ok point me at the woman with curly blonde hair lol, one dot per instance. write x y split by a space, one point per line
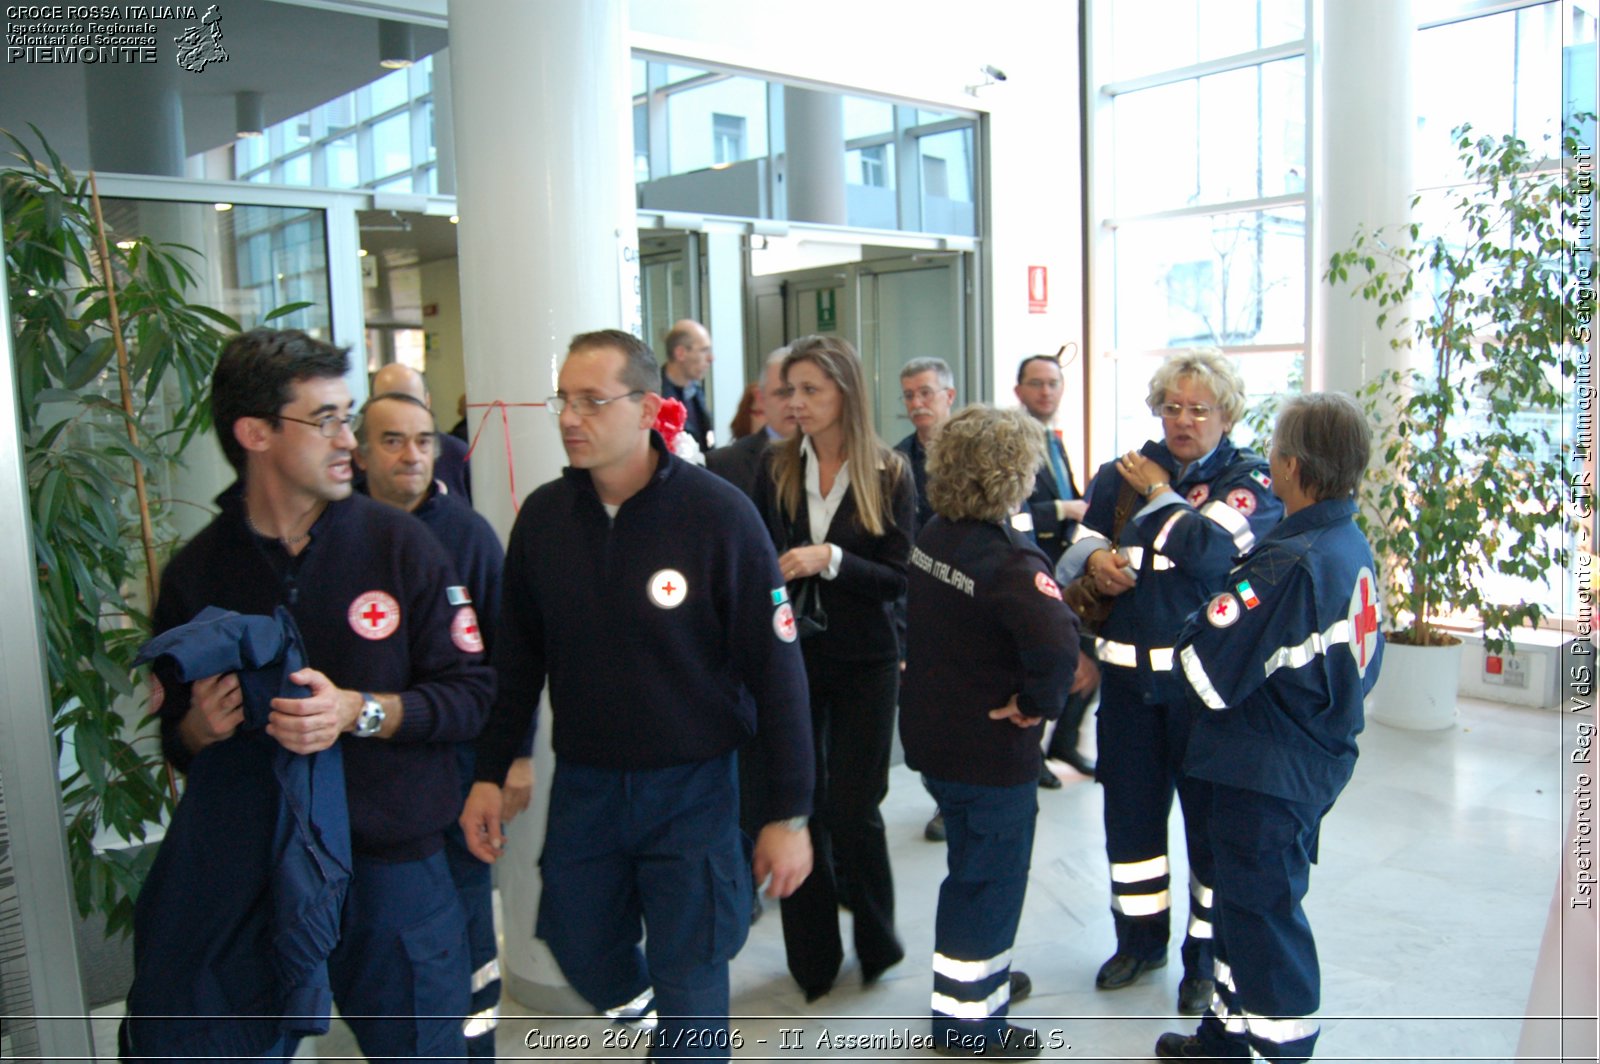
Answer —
992 651
840 506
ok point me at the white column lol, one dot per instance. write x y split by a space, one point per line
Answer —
548 248
1365 177
813 135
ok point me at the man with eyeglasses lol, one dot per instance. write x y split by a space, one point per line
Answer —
396 446
1199 500
648 593
396 678
928 389
739 460
1054 510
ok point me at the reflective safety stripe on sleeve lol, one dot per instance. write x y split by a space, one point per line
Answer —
1160 541
1223 974
1236 524
1142 904
1126 655
945 1005
1158 562
1195 673
1202 894
1305 653
970 971
1199 928
632 1010
1083 532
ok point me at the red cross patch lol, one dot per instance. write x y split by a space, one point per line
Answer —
1243 500
1223 611
668 588
1046 586
464 631
783 622
1364 619
374 615
1198 494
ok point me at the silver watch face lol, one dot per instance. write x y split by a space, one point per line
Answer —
371 718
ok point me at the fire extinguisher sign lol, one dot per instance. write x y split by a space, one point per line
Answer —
1038 290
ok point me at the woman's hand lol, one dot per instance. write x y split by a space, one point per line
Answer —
800 562
1140 472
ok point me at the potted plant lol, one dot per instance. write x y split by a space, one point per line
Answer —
1472 473
113 364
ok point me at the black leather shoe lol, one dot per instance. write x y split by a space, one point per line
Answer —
1047 779
1079 763
1194 994
1175 1046
814 992
934 832
1017 1043
1021 986
871 973
1123 968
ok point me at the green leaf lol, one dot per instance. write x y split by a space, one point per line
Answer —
87 363
286 309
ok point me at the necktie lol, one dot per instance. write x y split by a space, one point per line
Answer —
1058 466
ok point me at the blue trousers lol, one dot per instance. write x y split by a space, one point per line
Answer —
1141 764
399 973
657 851
989 835
1268 980
475 887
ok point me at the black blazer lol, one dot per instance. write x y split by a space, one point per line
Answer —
860 601
739 462
1051 533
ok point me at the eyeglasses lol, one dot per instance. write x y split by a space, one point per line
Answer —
396 442
586 406
330 425
1173 411
925 394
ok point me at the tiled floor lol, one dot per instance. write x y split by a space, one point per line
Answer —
1436 877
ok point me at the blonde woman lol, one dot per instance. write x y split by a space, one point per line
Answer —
993 651
840 504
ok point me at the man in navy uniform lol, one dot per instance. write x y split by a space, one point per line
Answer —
450 452
1281 661
666 650
738 461
397 443
396 681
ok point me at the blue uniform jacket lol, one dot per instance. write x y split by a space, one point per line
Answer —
288 896
665 633
1181 544
1283 657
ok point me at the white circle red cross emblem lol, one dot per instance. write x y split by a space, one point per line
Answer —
1223 610
464 631
374 615
1363 619
668 588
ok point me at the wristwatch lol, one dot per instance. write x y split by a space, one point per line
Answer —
370 719
1151 489
796 823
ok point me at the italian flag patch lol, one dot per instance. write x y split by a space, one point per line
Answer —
1247 595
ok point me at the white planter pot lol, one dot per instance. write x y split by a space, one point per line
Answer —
1417 688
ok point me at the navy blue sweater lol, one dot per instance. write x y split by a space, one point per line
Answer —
660 630
362 556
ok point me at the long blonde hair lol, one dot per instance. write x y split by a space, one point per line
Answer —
865 452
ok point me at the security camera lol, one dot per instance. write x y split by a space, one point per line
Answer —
995 72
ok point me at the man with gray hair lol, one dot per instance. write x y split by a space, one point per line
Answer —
738 461
928 389
688 347
1278 664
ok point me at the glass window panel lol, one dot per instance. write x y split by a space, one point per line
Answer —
388 92
396 184
641 72
867 118
1445 98
1193 31
946 168
1233 136
343 162
295 170
691 139
871 167
249 153
427 127
727 138
1235 278
340 113
641 142
391 145
676 74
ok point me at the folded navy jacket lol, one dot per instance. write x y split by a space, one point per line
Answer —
235 922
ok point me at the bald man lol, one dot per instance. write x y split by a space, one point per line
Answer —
450 458
688 348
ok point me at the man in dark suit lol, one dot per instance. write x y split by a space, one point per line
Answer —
1056 506
929 390
688 347
738 461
